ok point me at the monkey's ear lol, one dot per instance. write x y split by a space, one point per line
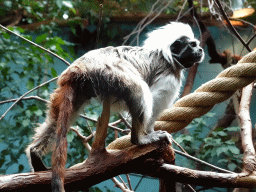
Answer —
37 163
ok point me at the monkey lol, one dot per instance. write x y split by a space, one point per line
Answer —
143 80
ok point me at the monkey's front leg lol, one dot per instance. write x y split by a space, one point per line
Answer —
143 131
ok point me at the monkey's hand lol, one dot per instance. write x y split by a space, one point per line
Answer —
160 136
154 137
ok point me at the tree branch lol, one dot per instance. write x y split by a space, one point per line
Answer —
249 160
36 45
125 131
20 98
125 161
95 169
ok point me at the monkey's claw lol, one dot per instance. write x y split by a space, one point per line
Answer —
164 135
154 137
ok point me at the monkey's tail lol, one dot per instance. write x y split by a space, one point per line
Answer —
64 105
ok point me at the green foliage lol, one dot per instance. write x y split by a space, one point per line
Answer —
218 148
22 67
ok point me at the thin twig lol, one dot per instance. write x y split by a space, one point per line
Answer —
178 145
24 98
135 30
36 45
202 162
139 28
20 98
129 181
125 121
125 131
150 21
111 126
250 40
230 25
116 122
182 8
120 185
191 188
184 14
122 181
84 139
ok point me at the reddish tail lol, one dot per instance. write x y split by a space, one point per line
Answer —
63 100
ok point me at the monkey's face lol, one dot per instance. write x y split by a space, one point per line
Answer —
187 51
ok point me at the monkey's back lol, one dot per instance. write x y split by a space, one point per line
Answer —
106 72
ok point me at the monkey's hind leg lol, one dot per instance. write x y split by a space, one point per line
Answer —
41 144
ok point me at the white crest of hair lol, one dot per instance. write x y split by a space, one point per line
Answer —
162 38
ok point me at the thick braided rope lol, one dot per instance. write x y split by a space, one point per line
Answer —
203 99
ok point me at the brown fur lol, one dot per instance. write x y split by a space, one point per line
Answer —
62 108
64 102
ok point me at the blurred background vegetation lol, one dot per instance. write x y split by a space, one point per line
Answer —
69 29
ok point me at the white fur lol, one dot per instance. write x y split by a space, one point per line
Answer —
165 91
162 38
148 101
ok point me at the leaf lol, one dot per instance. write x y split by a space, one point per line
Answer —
30 84
53 48
221 150
234 150
68 4
73 10
232 166
6 35
232 129
39 112
21 168
209 115
54 72
40 15
59 3
222 161
59 40
8 3
222 133
28 113
41 38
2 162
28 9
70 136
33 108
25 122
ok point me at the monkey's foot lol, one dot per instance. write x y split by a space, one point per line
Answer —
156 136
37 162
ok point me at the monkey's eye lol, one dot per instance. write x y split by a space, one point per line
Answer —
193 44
